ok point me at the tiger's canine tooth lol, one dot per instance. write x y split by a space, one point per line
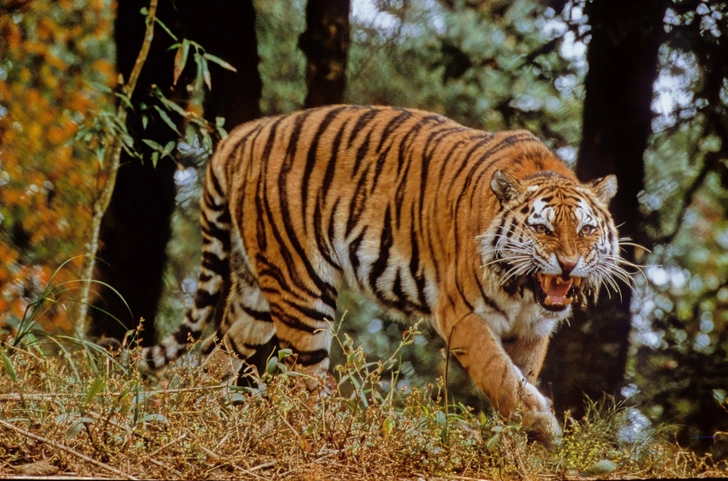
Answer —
546 282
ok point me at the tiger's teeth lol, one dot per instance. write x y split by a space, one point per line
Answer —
567 301
548 301
547 282
577 281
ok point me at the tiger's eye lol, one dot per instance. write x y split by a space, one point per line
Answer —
541 229
587 230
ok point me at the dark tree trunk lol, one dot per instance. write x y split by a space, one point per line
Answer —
589 356
226 29
136 227
326 45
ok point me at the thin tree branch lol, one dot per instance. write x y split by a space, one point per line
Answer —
68 450
113 160
712 160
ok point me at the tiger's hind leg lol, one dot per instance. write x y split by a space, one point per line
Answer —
302 323
246 325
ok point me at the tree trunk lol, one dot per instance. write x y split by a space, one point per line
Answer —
227 29
326 45
136 228
589 356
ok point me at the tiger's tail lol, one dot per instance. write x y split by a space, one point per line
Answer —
212 284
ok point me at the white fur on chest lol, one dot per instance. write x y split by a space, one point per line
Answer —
521 317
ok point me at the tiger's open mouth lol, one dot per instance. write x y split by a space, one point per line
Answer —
554 292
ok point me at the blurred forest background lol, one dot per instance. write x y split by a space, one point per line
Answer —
635 88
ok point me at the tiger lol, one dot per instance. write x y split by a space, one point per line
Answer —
487 237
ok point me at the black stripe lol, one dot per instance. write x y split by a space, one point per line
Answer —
151 365
209 203
213 263
433 138
446 165
414 268
312 157
354 251
362 122
224 217
236 348
288 256
275 273
380 166
331 166
309 358
213 231
210 346
185 333
206 299
398 291
310 313
357 205
399 198
260 190
261 236
361 152
332 220
410 137
262 316
462 295
292 322
466 158
385 243
213 179
488 301
392 126
487 159
318 228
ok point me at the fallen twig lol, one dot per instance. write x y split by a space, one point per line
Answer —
66 449
251 471
42 397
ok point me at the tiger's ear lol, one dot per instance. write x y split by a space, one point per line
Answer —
504 186
604 187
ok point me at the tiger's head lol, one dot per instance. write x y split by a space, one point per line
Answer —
554 236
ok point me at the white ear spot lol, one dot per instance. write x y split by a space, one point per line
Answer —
533 188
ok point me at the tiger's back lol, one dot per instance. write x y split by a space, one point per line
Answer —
410 208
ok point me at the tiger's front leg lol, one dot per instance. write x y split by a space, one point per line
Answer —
492 369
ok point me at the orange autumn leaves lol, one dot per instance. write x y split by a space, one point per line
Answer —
52 53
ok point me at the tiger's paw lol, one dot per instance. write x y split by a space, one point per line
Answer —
543 427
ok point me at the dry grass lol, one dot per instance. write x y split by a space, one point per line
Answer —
79 412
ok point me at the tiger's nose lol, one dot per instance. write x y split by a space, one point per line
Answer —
567 263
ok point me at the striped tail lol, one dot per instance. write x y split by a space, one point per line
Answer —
213 281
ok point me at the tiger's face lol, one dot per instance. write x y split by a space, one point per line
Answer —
555 237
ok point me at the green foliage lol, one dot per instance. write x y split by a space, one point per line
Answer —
107 126
488 69
680 341
282 65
